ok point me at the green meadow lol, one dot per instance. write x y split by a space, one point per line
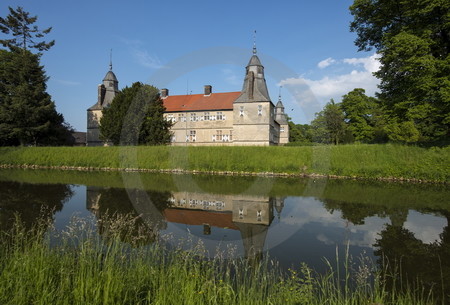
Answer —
383 161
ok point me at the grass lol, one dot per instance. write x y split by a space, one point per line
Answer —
79 266
361 161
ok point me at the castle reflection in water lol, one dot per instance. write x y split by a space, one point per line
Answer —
249 214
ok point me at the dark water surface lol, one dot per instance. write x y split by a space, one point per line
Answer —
291 220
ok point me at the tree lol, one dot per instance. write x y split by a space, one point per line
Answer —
20 25
298 133
413 39
362 115
27 114
146 126
329 125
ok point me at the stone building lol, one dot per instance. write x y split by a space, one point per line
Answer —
106 93
231 118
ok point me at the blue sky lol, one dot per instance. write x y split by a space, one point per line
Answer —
305 46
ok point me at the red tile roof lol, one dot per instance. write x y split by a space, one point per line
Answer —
199 217
200 102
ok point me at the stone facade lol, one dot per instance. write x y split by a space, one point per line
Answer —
231 118
106 93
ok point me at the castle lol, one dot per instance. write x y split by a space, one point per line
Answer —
231 118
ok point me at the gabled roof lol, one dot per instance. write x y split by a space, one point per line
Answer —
200 102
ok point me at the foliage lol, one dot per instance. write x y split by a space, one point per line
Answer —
329 125
28 116
298 133
413 39
135 116
362 115
404 132
20 25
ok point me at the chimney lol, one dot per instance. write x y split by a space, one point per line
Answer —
208 89
164 93
101 93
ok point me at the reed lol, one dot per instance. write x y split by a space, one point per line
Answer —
362 161
106 264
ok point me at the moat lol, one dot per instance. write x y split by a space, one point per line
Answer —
290 220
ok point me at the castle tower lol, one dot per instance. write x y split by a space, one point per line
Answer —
253 111
281 119
106 93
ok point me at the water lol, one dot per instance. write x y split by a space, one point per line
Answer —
291 220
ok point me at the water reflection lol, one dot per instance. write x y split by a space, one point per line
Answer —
294 220
27 202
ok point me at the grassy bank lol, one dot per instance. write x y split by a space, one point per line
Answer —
85 268
362 161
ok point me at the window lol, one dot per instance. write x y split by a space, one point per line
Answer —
194 117
231 135
219 135
173 139
259 109
220 116
282 129
171 118
192 136
206 116
181 117
241 111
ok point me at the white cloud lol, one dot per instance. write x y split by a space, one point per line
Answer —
371 63
312 94
147 60
143 57
326 62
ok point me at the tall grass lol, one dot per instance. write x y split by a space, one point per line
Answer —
365 161
79 266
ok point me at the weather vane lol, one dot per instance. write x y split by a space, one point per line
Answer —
110 60
254 42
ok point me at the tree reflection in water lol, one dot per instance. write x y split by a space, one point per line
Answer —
27 202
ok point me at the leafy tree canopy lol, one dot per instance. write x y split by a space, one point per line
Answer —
136 116
329 125
413 39
19 24
362 115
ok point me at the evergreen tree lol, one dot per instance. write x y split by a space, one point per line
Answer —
135 116
19 24
27 114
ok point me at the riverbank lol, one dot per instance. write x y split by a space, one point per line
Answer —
116 266
382 162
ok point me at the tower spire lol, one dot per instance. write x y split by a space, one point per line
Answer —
279 93
254 42
110 60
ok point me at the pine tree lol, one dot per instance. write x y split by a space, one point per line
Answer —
27 114
19 24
